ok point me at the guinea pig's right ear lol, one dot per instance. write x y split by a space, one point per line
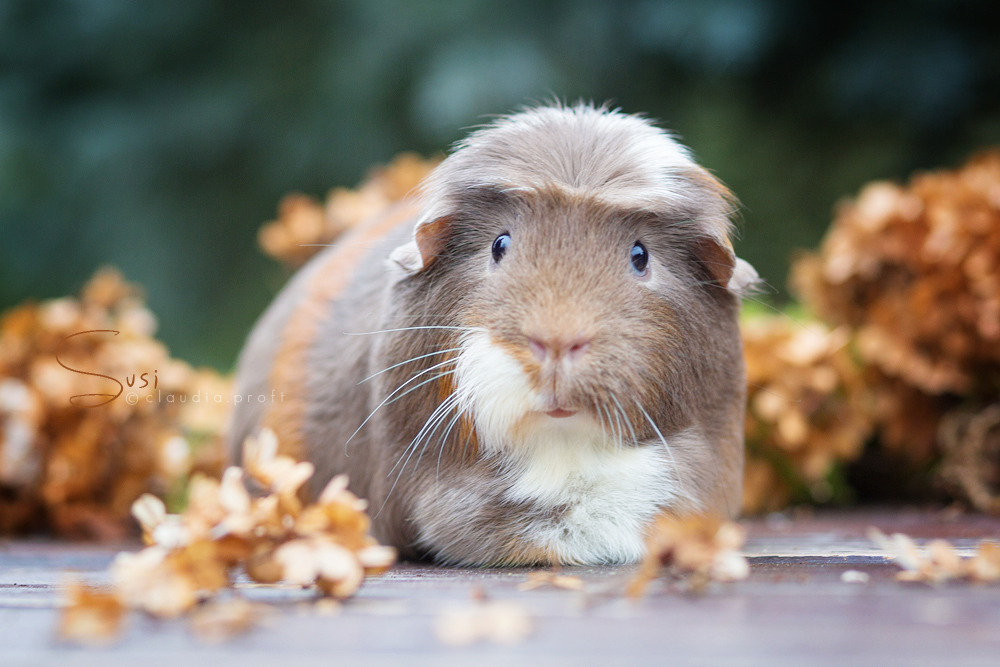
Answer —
428 242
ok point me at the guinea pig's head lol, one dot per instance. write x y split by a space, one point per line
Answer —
583 259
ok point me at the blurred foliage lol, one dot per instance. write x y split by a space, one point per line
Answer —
159 136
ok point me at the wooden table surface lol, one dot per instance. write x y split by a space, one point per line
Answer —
792 610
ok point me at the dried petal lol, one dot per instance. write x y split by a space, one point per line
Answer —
149 511
376 557
333 490
299 562
233 495
148 581
938 561
729 565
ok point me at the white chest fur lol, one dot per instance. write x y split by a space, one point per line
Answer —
604 497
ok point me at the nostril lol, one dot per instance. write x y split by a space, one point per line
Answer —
538 348
578 349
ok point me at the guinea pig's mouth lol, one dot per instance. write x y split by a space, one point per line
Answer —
555 406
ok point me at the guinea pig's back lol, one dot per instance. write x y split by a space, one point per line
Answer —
289 373
253 368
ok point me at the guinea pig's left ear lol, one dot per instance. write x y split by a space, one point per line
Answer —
428 242
744 280
725 268
717 257
713 248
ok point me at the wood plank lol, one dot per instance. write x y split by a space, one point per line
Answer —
793 609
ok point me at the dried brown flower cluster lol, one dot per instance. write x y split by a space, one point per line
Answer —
806 409
698 549
938 561
304 224
915 273
274 538
76 469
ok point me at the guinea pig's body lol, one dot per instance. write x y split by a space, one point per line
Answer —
530 359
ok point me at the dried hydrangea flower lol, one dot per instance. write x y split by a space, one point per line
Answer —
75 470
807 409
970 446
149 581
304 225
914 271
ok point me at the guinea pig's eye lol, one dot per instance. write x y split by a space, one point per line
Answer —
500 245
640 258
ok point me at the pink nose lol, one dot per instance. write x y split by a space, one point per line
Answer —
555 348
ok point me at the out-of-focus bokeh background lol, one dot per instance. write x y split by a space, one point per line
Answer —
159 136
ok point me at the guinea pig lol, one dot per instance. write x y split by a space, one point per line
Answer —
529 359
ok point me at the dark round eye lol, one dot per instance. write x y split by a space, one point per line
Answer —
639 257
500 245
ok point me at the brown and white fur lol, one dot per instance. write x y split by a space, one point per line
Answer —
542 408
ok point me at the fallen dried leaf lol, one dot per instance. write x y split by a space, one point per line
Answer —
550 578
92 616
938 561
696 549
221 620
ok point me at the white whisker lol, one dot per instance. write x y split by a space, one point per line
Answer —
368 333
444 440
620 430
427 381
410 360
436 417
663 440
628 422
384 401
452 401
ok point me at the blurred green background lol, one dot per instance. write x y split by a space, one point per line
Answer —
158 136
